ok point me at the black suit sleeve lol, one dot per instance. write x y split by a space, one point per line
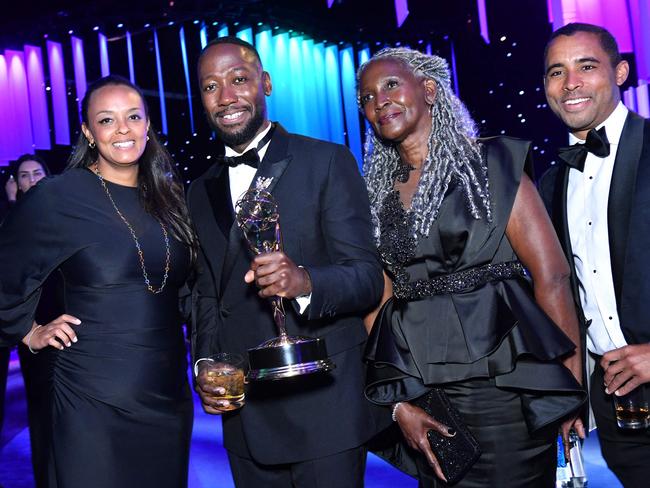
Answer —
353 282
204 303
546 188
205 311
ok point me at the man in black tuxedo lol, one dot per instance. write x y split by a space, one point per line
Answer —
306 431
599 201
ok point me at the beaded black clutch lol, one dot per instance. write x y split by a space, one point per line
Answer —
457 454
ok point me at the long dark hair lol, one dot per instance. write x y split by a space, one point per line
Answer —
159 188
29 157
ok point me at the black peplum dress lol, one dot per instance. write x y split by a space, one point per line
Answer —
485 341
121 411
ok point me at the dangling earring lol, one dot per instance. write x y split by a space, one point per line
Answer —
92 145
147 138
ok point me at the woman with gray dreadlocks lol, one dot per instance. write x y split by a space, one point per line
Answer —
461 232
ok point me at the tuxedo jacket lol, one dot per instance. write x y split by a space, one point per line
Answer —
628 219
325 225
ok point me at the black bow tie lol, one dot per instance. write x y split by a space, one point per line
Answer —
576 155
249 158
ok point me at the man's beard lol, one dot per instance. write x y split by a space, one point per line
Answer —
242 136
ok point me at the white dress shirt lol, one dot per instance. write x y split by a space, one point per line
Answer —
242 176
587 199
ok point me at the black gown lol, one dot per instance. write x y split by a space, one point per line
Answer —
121 411
490 346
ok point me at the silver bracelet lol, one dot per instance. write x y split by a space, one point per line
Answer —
29 339
395 407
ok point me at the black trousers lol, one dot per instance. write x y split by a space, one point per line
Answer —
342 470
627 452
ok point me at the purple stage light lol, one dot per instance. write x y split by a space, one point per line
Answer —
58 92
161 85
402 11
6 148
640 18
20 128
613 15
454 70
186 70
37 99
482 18
629 98
79 66
129 51
103 55
642 100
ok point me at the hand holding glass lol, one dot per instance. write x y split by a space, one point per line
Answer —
632 409
224 371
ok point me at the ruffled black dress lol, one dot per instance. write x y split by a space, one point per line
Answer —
485 340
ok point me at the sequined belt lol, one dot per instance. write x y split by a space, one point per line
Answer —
460 281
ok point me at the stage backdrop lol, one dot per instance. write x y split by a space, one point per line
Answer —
495 62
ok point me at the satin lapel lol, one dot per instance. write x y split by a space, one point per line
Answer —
621 191
560 215
561 222
218 191
272 166
275 160
236 245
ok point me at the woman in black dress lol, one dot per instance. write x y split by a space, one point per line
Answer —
116 226
461 230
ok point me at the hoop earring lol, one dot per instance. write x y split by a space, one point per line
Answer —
92 145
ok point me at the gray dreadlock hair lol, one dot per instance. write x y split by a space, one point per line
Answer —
453 150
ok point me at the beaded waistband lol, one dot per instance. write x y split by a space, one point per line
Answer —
458 282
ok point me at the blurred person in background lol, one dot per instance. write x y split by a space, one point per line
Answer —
28 170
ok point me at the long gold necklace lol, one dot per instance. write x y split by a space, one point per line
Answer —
137 243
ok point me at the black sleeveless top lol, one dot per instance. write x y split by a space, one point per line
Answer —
495 329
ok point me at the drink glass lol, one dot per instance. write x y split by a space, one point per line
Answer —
632 409
225 370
